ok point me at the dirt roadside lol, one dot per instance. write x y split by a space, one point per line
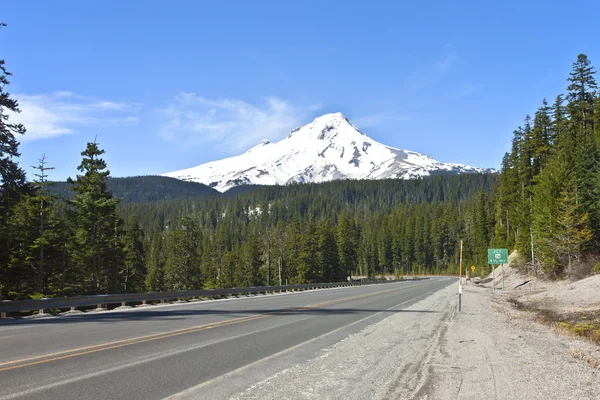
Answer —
493 351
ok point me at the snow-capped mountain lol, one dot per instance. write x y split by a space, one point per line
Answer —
327 149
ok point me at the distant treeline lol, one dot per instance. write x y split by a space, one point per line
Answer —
145 188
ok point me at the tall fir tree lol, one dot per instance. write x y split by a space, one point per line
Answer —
328 262
133 274
574 232
546 210
581 95
308 261
583 145
250 261
12 178
155 279
182 266
94 216
347 244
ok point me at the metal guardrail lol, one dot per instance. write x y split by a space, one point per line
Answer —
144 297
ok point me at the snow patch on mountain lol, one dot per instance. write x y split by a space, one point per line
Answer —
329 148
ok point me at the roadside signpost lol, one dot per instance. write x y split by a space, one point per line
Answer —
495 257
460 279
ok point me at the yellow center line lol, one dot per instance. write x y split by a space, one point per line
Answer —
167 335
163 335
241 319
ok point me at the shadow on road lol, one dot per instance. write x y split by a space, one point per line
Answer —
173 315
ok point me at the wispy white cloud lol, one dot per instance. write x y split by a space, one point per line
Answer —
449 59
233 124
62 112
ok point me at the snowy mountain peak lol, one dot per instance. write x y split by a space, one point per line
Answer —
326 149
332 118
262 143
327 127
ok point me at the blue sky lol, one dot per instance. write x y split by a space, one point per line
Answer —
169 85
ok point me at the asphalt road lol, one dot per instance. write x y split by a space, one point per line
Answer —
211 349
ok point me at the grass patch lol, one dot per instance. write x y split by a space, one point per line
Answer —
590 329
586 325
581 324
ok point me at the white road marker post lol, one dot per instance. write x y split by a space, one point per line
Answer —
460 279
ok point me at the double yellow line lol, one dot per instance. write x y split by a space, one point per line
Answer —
61 355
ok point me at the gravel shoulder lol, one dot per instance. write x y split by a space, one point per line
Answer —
383 361
430 351
493 351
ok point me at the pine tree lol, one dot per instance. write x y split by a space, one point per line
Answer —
504 203
329 270
481 234
546 211
583 144
573 223
230 262
280 234
347 244
182 267
559 121
293 240
542 137
308 260
134 271
384 242
155 279
12 178
250 261
31 226
96 222
582 91
45 201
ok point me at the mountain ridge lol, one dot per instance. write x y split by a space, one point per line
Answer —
329 148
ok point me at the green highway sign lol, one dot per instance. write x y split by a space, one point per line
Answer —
497 256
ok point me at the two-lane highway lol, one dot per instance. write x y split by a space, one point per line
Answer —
220 346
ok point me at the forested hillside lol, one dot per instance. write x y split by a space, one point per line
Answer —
79 238
145 188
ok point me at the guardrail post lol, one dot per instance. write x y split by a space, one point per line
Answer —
73 308
2 315
41 311
99 307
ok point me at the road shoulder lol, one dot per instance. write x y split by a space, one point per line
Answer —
491 350
380 361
